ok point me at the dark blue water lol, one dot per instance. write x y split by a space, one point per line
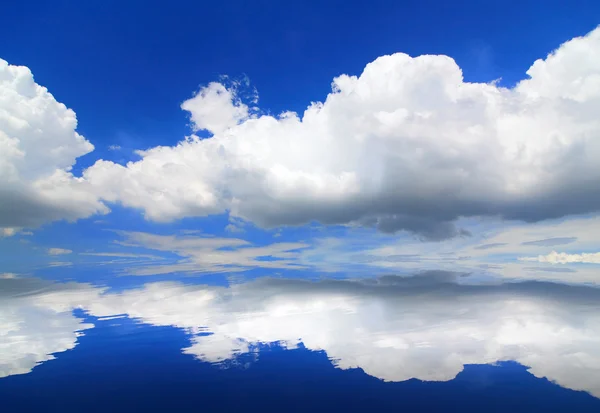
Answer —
124 366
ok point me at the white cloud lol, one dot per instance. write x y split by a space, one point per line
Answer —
215 108
38 147
60 264
565 258
114 148
524 270
59 251
8 232
121 255
200 254
406 145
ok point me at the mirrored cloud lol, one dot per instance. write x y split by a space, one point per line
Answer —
395 328
36 321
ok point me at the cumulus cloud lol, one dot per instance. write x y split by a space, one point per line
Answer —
407 145
566 258
59 251
38 146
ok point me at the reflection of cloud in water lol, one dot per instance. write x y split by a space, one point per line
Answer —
36 320
425 327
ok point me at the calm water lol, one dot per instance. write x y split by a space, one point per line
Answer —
430 342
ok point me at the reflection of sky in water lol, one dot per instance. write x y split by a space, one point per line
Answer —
426 327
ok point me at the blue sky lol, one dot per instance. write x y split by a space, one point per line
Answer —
325 203
360 182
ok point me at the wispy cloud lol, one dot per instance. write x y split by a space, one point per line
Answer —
60 264
121 255
551 242
199 254
58 251
565 258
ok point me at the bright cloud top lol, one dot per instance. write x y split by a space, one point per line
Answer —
406 145
38 147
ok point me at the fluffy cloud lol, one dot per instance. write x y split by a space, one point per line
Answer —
565 258
406 145
38 147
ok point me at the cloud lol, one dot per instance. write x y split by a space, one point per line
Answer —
551 242
36 321
215 108
394 328
198 254
565 258
407 145
489 246
39 145
121 255
233 228
58 251
8 232
11 231
114 148
524 270
235 225
60 264
512 238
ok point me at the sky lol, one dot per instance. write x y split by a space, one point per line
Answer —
397 194
196 140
